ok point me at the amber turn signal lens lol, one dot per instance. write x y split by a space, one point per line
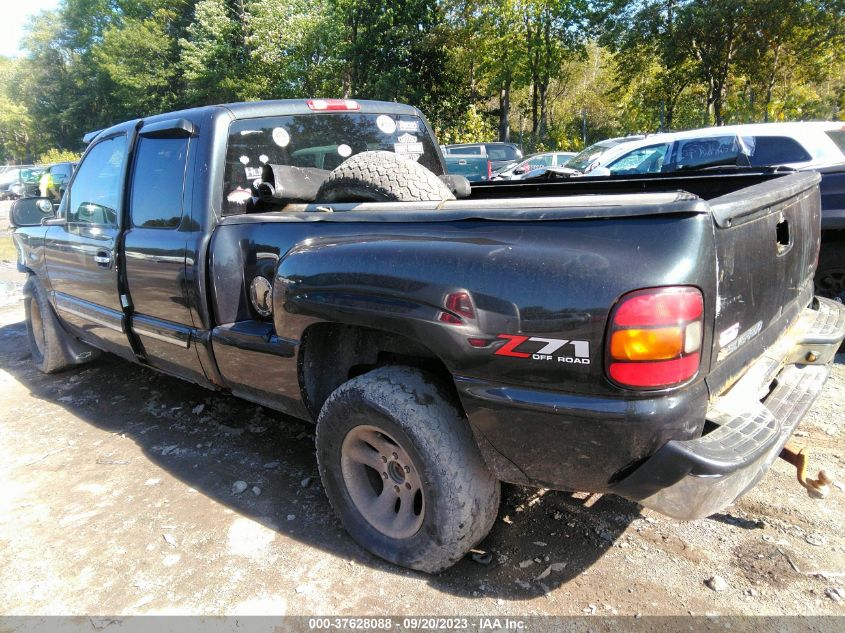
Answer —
652 344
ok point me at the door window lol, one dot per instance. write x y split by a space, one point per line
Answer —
699 153
158 182
94 196
645 160
537 162
60 172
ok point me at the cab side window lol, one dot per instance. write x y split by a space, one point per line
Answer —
158 182
775 150
94 196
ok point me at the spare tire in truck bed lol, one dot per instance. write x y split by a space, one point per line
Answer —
382 177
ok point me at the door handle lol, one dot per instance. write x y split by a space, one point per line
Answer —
103 259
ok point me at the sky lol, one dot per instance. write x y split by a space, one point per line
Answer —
13 16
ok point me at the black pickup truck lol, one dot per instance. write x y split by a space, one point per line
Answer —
659 339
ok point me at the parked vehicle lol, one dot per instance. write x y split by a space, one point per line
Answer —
20 182
500 154
54 179
658 340
535 161
803 146
473 168
586 157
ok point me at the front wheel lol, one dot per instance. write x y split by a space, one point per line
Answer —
52 348
402 470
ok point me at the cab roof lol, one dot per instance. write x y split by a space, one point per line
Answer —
255 109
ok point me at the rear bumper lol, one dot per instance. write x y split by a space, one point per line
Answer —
694 478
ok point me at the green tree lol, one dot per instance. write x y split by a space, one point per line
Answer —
54 155
552 29
214 53
139 58
290 49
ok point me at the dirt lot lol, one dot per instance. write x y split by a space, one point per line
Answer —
118 499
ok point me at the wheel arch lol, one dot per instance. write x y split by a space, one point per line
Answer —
332 353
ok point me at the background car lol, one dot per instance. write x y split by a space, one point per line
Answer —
588 156
501 155
805 145
535 161
473 168
20 182
810 145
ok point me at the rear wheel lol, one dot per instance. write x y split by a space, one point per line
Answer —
402 470
830 283
830 273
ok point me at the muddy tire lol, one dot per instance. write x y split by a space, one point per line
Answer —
52 348
402 470
382 177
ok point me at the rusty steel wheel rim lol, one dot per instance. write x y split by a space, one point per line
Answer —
37 324
382 481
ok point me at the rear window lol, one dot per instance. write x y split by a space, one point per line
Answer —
776 150
471 150
322 141
501 152
838 137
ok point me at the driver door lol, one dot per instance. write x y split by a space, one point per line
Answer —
82 254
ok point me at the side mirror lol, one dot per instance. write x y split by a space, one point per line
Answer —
30 211
598 171
521 170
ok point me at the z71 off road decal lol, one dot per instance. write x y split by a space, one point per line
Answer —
548 349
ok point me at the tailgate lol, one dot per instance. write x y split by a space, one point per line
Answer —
470 167
767 242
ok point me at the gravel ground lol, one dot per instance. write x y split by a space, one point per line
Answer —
120 496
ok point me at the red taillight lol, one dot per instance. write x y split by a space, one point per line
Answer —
654 339
459 305
489 170
333 104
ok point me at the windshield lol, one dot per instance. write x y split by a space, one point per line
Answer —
583 160
321 141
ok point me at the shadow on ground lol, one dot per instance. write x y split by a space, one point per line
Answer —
231 440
